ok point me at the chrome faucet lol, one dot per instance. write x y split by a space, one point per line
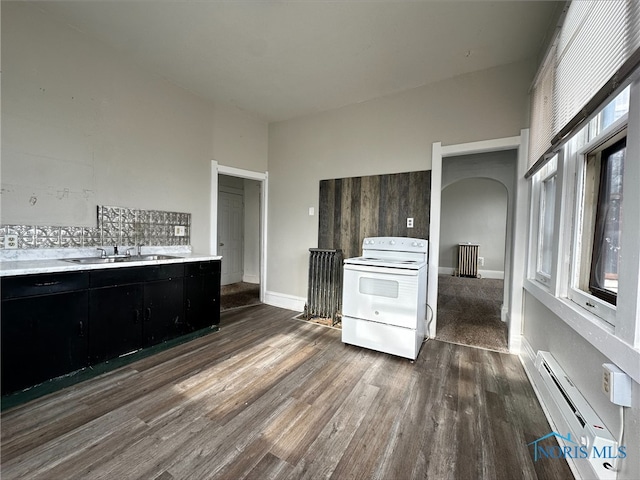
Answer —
138 246
103 253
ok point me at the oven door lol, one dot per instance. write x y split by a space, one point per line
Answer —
384 295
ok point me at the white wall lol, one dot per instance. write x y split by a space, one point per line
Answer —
82 126
387 135
474 210
240 140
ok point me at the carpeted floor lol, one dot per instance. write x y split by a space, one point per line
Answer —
469 312
239 295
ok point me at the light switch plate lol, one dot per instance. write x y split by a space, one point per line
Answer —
409 222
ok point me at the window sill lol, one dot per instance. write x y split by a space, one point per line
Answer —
593 329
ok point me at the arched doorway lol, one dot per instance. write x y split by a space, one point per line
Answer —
474 210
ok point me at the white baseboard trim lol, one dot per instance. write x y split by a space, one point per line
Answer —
515 344
497 274
251 279
282 300
528 356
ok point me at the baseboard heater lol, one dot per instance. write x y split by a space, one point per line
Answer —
571 413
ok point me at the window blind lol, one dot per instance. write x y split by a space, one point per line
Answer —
542 108
595 40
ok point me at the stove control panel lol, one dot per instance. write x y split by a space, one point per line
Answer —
401 244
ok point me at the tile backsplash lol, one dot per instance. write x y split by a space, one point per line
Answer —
116 226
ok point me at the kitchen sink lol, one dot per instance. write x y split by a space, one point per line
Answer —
93 260
119 259
147 258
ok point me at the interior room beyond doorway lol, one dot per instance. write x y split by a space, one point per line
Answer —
238 236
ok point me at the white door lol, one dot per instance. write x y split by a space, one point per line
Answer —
230 236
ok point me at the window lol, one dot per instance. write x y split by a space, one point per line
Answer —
546 218
599 151
599 221
603 280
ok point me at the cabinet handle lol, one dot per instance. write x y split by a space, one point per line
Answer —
188 303
148 314
137 316
81 332
46 284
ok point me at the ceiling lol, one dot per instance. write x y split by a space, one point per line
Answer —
284 59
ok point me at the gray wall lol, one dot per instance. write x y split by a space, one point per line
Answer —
582 363
474 211
82 126
490 216
387 135
251 231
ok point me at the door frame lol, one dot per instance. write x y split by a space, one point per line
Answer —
518 243
263 178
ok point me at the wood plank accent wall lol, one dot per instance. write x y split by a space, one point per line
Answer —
351 209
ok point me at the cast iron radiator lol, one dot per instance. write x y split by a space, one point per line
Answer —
468 260
324 297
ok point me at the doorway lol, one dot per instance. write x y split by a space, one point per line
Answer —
474 210
514 269
237 234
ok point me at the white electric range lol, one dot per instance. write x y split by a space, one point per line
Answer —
384 296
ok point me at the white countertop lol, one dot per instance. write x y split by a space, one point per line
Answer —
32 265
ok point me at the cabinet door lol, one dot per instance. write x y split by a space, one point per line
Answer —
115 326
43 337
203 295
19 365
195 303
163 311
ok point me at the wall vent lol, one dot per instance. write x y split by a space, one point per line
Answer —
571 413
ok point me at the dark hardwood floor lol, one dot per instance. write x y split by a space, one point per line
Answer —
272 397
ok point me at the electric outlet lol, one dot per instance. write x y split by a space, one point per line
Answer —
11 241
616 385
481 261
409 222
180 231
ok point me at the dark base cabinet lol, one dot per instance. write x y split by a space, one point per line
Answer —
44 333
53 324
115 321
132 308
202 296
163 312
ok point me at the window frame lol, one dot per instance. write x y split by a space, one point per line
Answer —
538 215
605 158
595 146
